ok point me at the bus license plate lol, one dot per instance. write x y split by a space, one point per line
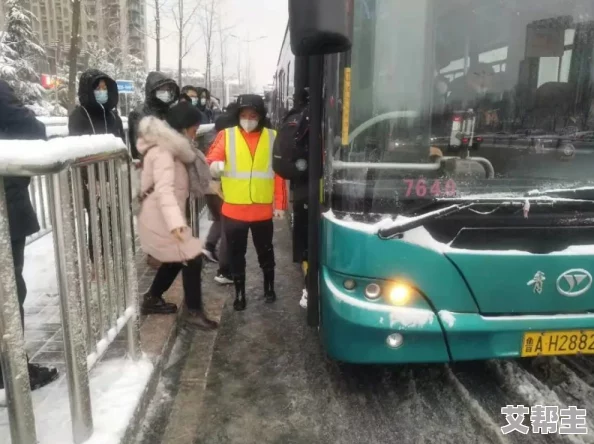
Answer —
555 343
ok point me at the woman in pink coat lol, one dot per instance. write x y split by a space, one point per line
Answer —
162 227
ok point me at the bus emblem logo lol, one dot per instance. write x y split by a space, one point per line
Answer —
574 282
536 282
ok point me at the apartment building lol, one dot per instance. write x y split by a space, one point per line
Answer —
102 24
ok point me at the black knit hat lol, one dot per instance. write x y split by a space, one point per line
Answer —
183 115
253 101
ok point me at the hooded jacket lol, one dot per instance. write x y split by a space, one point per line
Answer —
166 155
90 117
151 106
205 109
18 122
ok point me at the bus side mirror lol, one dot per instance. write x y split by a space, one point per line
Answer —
319 27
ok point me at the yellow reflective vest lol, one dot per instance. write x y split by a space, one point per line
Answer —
248 180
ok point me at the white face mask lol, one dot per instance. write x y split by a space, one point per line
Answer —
248 125
203 102
163 96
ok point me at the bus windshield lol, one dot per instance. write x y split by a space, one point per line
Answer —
465 98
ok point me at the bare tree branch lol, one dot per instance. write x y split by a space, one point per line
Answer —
184 23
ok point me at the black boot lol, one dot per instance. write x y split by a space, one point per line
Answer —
156 305
198 319
240 303
41 376
269 294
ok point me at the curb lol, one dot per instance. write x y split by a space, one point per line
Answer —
151 388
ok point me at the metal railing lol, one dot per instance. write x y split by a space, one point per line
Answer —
93 310
58 126
55 127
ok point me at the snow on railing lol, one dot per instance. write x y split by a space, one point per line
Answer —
58 126
96 270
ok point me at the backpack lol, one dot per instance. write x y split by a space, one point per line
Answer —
290 152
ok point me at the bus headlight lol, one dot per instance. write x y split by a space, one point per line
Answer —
400 294
373 291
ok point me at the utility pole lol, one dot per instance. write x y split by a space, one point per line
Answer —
248 41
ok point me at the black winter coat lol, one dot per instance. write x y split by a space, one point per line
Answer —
151 106
18 122
91 118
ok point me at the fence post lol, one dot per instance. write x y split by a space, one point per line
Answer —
131 284
79 208
69 284
12 345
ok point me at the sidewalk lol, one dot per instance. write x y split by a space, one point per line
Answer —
120 388
202 385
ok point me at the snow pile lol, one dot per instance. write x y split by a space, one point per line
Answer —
40 154
116 389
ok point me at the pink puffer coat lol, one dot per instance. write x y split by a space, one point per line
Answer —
165 155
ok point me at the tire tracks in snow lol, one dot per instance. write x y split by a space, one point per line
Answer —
516 379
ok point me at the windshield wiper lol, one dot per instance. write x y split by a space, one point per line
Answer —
399 228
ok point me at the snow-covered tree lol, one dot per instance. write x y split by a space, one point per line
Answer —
137 73
18 53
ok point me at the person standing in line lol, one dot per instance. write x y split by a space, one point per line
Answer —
18 122
160 93
96 114
162 227
189 94
204 105
252 193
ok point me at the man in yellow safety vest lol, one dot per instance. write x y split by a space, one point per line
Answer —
252 193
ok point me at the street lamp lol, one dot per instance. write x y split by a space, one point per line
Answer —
248 41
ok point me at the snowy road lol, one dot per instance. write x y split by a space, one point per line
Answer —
269 382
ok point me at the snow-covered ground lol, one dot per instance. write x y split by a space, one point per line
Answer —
116 385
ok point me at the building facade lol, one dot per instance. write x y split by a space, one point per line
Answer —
118 24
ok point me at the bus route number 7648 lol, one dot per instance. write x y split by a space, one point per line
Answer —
423 188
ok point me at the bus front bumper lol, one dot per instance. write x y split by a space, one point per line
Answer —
358 331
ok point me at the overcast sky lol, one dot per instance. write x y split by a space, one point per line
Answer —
249 20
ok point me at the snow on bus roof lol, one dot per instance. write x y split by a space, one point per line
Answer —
421 237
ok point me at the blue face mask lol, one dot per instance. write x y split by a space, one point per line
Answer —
101 96
194 101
